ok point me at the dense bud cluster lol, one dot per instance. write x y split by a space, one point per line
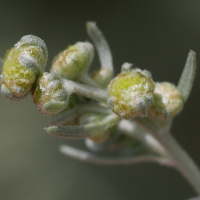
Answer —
24 63
74 61
131 93
92 107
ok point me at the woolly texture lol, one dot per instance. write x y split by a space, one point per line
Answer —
74 61
24 63
49 94
102 76
168 101
131 93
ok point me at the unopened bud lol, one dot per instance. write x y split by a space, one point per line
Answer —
49 94
24 63
102 76
74 61
168 101
131 93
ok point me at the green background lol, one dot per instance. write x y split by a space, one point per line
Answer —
155 35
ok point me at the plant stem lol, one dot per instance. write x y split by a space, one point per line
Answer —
86 79
92 158
85 90
181 159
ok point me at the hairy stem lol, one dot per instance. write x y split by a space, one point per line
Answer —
87 91
92 158
86 79
176 153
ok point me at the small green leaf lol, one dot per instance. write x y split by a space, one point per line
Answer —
84 131
103 49
187 78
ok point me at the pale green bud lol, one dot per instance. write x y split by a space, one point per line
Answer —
168 101
88 118
49 94
74 61
102 77
24 63
131 93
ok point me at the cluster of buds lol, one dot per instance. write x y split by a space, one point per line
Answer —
92 106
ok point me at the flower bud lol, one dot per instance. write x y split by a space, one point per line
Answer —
102 76
168 101
49 94
24 63
88 118
74 61
131 93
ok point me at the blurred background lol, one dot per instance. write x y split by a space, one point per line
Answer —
155 35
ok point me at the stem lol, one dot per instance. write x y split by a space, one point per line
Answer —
133 130
86 79
84 90
181 159
92 158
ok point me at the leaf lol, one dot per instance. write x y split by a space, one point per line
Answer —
103 49
83 131
187 78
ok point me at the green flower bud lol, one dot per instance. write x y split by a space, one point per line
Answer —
102 76
74 61
49 94
168 101
24 63
88 118
131 93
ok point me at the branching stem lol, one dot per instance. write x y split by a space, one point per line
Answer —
92 158
87 91
181 159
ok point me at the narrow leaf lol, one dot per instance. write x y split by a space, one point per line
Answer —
187 78
83 131
101 45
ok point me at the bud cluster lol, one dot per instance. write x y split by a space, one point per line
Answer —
85 104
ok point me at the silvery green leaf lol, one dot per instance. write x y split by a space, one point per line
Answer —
101 45
187 78
83 131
